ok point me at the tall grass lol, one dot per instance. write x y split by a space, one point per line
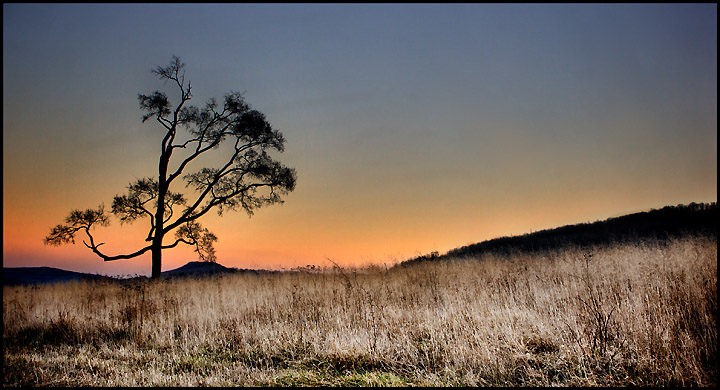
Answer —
642 314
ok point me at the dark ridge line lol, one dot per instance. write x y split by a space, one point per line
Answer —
657 224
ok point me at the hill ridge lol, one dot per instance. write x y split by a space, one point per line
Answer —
660 224
44 274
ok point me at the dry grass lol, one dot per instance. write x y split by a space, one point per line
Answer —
625 315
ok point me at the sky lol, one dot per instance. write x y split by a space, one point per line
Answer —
413 127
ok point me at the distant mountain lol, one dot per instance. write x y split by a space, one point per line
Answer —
41 275
199 268
662 224
34 275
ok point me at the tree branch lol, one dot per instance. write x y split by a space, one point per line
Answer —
179 240
209 188
166 123
95 250
199 151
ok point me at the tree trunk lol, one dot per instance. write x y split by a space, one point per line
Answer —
160 212
156 251
156 248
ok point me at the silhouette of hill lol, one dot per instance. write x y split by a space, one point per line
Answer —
199 268
40 275
666 223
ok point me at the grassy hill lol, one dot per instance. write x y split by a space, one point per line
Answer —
663 224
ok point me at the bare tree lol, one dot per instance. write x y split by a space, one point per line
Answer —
247 179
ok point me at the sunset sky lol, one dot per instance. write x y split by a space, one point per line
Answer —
413 128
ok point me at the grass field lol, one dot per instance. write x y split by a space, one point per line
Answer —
643 314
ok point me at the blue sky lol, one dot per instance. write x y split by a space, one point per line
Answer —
413 127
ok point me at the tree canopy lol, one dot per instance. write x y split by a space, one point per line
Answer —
248 178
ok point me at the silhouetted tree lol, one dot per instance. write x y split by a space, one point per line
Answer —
248 179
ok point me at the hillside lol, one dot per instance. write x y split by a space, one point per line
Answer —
198 268
34 275
662 224
42 275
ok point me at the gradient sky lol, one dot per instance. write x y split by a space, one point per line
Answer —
413 128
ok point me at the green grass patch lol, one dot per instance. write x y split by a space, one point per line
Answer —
306 377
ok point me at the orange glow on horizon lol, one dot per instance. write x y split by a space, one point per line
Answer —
272 242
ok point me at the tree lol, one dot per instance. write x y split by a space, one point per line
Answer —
248 179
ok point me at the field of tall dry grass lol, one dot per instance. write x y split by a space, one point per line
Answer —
643 314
